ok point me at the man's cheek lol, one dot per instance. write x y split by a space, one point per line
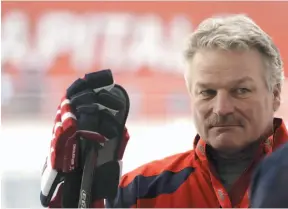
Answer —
198 117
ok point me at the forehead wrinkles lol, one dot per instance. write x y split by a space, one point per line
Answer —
222 68
219 77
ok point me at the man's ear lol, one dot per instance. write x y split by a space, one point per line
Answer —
276 97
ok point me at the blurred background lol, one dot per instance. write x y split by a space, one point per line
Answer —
47 45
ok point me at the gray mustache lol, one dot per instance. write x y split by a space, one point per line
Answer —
223 120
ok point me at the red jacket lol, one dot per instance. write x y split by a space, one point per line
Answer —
188 180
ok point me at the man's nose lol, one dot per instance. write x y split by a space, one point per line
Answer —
223 103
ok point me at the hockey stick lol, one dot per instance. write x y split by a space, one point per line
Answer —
88 174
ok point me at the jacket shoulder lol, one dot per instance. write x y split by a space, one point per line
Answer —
140 187
173 164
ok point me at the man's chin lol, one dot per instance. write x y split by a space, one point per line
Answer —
226 142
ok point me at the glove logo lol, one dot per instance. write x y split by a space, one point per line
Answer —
73 157
83 199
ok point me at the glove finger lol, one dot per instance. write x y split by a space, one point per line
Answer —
100 80
98 122
108 125
88 121
96 80
104 100
76 87
110 100
83 98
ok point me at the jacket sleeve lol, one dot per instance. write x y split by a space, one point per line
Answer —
126 195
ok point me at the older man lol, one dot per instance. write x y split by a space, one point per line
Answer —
234 76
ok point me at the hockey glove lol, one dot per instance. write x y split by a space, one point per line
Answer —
89 129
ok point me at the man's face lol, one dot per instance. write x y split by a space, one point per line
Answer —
232 105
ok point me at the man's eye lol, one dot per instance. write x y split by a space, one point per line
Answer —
241 91
208 93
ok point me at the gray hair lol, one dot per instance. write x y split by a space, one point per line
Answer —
236 32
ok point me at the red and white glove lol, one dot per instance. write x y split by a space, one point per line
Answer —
93 109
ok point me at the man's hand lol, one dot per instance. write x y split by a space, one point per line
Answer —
93 112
